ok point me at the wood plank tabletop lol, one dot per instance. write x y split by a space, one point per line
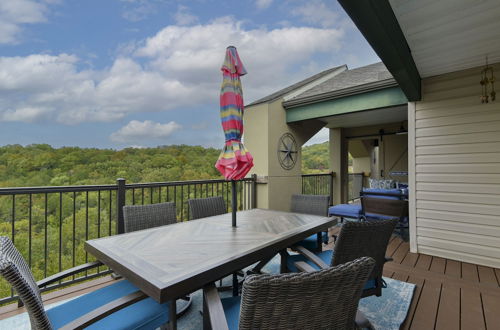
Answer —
170 261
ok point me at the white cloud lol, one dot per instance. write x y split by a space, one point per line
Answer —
139 131
184 17
317 13
263 4
177 67
15 13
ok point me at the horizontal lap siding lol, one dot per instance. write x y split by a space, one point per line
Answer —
457 170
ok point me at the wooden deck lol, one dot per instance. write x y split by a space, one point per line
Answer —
449 294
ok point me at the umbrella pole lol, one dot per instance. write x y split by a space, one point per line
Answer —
234 202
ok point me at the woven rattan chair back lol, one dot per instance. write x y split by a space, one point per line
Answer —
382 206
206 207
137 217
325 299
358 239
16 271
311 204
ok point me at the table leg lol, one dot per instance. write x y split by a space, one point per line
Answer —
172 314
284 256
235 285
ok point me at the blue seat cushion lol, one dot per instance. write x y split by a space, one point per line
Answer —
345 210
231 307
311 242
145 314
326 256
367 191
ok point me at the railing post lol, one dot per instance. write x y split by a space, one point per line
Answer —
120 203
332 176
254 191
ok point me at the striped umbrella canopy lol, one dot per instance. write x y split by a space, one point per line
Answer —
234 161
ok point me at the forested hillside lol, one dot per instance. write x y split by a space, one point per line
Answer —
315 158
42 165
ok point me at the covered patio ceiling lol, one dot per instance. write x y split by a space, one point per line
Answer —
420 39
368 117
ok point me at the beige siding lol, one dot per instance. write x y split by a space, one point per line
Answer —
457 170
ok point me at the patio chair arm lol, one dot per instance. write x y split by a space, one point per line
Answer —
304 267
311 256
68 272
388 259
59 276
213 312
105 310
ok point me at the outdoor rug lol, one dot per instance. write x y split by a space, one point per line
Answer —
386 312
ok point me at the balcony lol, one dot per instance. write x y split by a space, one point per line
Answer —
449 294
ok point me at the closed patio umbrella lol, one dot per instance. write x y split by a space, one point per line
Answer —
234 161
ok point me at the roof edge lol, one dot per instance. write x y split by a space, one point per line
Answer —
301 84
373 86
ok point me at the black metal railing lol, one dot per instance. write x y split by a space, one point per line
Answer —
49 225
318 184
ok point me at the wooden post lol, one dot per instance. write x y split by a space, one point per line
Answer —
120 203
254 191
332 181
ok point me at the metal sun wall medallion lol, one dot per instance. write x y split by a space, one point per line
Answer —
287 151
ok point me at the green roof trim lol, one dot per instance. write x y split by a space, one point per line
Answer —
381 98
380 27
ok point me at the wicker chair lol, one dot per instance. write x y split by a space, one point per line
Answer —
325 299
137 217
385 209
120 303
206 207
356 239
312 204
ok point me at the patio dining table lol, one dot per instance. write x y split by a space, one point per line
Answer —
171 261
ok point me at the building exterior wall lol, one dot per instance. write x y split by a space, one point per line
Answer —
455 166
264 125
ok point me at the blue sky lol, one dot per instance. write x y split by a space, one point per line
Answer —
118 73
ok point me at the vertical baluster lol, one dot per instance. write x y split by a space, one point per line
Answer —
73 254
98 214
182 202
13 214
159 194
86 225
151 197
45 238
227 195
110 210
189 192
142 194
206 190
60 232
30 222
195 191
133 196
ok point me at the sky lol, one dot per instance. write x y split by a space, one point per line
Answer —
142 73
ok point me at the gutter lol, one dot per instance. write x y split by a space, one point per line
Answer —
337 94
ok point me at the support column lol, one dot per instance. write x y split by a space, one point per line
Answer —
339 164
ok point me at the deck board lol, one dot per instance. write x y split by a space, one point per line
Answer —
426 310
448 317
471 310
